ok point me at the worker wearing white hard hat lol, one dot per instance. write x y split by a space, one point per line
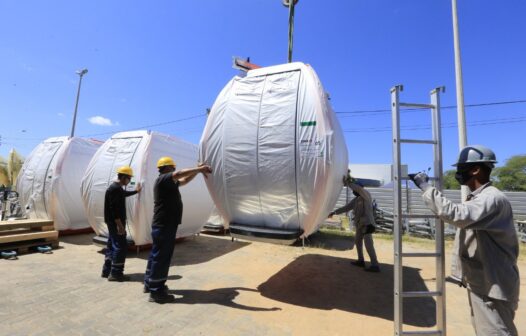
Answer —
486 243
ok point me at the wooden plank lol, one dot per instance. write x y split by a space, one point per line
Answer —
14 232
24 223
28 236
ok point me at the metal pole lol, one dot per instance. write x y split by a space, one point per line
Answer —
80 73
397 212
439 224
461 114
291 28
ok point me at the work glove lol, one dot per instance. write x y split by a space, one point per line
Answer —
348 179
420 180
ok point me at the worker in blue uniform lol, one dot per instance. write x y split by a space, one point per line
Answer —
115 218
167 215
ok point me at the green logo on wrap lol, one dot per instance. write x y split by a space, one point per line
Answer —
308 123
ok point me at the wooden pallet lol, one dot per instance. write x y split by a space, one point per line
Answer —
23 235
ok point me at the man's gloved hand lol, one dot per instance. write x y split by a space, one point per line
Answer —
420 180
348 179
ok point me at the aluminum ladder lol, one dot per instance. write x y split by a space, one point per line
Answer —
399 216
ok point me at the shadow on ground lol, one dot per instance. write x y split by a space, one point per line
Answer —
197 250
139 277
80 239
328 241
220 296
325 282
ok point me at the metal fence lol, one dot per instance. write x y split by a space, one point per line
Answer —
412 203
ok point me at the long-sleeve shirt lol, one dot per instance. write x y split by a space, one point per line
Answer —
488 245
115 203
362 207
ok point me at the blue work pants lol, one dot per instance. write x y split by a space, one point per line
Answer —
160 257
116 249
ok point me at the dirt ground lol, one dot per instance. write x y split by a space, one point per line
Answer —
227 288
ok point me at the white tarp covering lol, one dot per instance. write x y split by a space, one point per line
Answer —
49 181
141 150
276 149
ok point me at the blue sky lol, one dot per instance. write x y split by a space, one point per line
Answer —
151 62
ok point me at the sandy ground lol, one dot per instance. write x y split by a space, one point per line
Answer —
226 288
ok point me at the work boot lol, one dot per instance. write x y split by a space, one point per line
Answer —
146 289
359 263
118 277
161 297
373 269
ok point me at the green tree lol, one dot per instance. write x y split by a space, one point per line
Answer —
449 180
512 176
10 168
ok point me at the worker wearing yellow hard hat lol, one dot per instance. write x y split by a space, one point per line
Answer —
165 161
125 170
115 218
167 215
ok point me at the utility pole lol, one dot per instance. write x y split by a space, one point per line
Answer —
461 114
80 73
290 4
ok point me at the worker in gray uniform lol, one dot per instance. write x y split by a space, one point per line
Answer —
364 223
486 242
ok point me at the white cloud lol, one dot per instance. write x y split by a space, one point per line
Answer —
101 121
60 114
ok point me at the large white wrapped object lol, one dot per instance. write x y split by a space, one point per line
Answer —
141 150
277 152
49 181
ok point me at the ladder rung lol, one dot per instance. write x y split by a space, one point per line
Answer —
423 332
421 254
415 141
420 294
419 216
403 178
417 105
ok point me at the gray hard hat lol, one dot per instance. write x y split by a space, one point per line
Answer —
476 154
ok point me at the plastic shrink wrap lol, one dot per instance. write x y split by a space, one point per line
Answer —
141 150
277 152
49 181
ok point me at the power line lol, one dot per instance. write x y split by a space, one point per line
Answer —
356 112
149 126
112 132
387 111
446 125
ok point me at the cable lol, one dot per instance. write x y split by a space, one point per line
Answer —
148 126
385 111
357 112
447 125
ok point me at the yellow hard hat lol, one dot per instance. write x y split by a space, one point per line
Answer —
165 161
126 170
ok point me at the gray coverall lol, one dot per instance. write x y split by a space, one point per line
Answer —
362 207
487 250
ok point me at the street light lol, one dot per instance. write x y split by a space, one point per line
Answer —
461 114
290 4
80 73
